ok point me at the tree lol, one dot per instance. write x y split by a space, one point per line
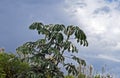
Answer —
11 66
47 54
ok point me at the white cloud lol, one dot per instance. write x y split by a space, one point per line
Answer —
102 26
100 21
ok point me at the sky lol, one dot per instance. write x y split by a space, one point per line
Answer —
99 19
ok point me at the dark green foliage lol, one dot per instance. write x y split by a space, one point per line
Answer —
80 61
71 69
69 76
12 67
97 76
46 54
81 75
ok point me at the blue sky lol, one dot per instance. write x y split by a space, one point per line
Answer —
98 18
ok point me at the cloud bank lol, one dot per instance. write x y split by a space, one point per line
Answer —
100 20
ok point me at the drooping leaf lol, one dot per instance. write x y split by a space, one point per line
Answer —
59 38
71 68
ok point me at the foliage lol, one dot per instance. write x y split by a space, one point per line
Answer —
103 76
47 54
11 66
45 57
97 76
69 76
81 75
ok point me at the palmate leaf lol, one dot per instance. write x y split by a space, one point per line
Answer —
70 30
72 48
36 26
58 27
66 45
59 38
81 37
76 59
80 61
71 68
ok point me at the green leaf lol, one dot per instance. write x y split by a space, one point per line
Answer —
71 69
36 25
66 45
32 26
59 38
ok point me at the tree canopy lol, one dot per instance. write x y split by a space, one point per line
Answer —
47 53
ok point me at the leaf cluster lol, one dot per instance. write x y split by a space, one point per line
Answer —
47 54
